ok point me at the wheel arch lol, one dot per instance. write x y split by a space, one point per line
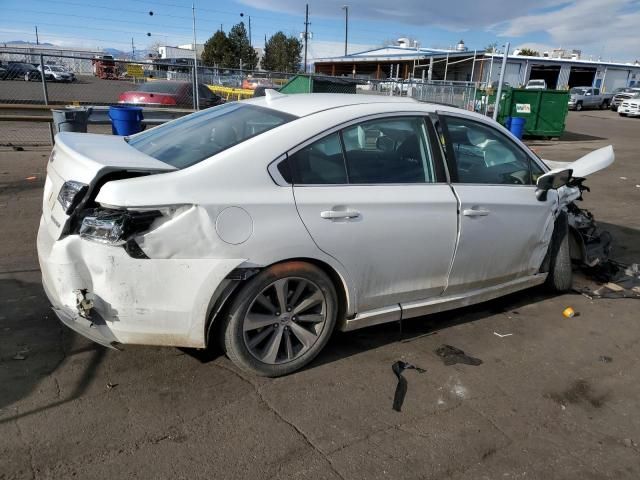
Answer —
224 295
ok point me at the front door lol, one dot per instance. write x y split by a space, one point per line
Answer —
504 230
373 196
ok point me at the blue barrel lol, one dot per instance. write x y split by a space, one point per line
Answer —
517 126
125 120
507 123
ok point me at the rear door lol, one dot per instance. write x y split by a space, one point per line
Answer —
504 229
374 196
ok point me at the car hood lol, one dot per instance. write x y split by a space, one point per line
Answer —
590 163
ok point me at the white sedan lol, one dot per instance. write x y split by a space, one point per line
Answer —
269 223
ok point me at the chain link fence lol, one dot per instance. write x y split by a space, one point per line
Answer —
31 84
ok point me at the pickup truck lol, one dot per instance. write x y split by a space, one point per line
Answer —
588 97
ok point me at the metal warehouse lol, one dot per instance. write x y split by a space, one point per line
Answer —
461 64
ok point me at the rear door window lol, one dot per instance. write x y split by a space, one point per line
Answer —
381 151
388 150
321 163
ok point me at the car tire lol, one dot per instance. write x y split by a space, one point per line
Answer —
622 114
614 108
578 106
560 275
250 337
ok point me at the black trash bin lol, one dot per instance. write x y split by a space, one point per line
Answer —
71 119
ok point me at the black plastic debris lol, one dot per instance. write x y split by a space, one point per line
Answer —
605 359
401 388
452 355
618 281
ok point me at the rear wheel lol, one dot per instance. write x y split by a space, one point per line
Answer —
281 319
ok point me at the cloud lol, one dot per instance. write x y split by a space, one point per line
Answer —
463 15
610 29
590 25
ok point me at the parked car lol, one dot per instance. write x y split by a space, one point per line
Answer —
536 84
21 71
622 94
630 107
56 73
588 97
169 94
267 224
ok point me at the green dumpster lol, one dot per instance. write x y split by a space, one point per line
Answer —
545 110
319 84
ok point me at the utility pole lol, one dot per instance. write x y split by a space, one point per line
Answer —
37 39
346 27
503 67
306 35
250 41
133 50
196 97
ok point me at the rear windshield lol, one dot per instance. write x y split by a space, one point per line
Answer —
161 87
191 139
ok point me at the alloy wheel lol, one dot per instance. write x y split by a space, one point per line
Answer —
285 320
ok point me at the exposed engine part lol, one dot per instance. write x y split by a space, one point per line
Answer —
594 244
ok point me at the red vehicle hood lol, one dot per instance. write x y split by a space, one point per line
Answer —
148 98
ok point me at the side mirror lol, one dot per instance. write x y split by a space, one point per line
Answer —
552 181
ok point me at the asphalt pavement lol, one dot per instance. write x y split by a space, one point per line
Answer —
554 398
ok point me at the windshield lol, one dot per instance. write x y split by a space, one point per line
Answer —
191 139
578 91
57 69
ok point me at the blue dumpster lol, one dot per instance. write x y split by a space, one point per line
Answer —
125 120
517 126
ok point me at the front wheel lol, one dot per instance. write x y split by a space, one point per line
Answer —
560 277
281 319
578 106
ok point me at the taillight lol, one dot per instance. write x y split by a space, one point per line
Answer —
168 101
71 194
116 227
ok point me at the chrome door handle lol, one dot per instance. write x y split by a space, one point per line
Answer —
331 214
472 212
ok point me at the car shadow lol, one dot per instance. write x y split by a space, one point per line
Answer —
346 344
33 346
625 246
578 137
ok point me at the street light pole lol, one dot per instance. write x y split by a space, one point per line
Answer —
503 67
196 97
346 27
306 36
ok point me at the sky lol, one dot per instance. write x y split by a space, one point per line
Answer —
607 29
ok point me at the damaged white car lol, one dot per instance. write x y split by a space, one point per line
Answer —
268 223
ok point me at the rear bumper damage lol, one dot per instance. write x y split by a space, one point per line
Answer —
104 294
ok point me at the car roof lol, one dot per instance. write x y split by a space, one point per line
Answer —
303 104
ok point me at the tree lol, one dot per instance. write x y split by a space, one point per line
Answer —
528 52
491 48
241 49
282 53
217 51
154 49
